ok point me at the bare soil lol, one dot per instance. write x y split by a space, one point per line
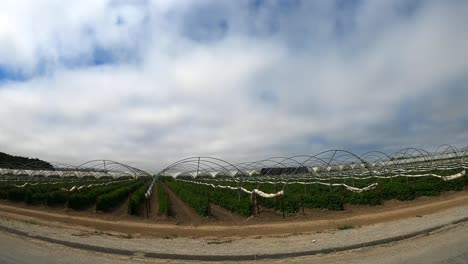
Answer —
220 214
181 212
187 223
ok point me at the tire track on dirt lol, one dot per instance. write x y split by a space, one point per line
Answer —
180 211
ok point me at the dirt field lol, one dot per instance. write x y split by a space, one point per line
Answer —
185 223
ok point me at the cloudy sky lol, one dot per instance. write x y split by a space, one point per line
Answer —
148 82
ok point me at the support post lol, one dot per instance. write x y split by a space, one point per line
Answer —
253 203
209 205
256 203
147 210
302 204
149 204
282 206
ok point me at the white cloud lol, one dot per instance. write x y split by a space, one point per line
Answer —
269 85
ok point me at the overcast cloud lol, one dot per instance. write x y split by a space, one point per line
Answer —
150 82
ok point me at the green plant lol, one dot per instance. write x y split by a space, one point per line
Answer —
136 200
188 196
57 197
162 199
345 227
110 200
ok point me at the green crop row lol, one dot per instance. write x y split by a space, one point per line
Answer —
46 194
88 198
163 201
328 197
136 200
189 196
110 200
232 200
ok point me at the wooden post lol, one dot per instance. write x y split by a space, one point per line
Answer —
302 204
253 203
282 206
305 187
209 205
380 189
274 202
149 204
147 210
257 204
168 212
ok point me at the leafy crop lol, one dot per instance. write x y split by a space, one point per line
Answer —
87 198
110 200
162 199
190 196
136 200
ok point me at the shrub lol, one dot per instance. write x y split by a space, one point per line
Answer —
397 190
371 198
17 194
57 197
187 195
110 200
88 198
136 200
324 200
427 188
162 199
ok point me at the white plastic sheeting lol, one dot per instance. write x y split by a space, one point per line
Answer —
349 188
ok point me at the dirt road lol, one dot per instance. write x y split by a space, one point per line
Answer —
447 246
148 228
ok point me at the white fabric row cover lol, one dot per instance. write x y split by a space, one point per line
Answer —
254 191
349 188
455 176
450 177
72 189
75 188
280 193
40 183
150 189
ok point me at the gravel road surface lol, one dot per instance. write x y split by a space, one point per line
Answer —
446 246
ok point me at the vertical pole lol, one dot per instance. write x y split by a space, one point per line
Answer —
209 205
198 166
282 206
167 213
302 204
149 204
147 211
256 203
275 196
253 203
238 190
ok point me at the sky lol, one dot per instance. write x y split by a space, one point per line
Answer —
149 82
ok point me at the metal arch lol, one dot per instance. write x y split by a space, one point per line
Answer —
205 159
189 167
281 162
387 163
105 163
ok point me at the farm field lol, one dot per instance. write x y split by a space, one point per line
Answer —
297 199
207 190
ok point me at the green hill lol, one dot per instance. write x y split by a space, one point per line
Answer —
16 162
